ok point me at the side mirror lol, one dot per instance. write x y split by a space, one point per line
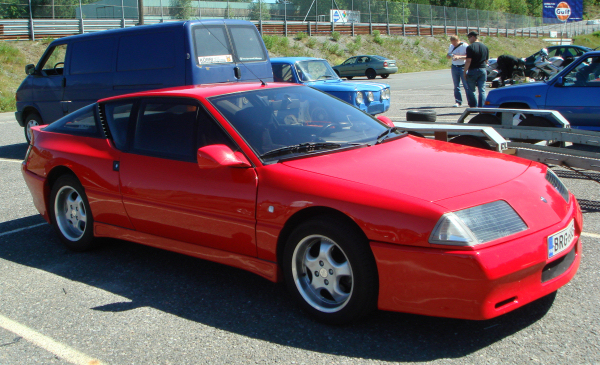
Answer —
30 69
219 155
559 81
387 121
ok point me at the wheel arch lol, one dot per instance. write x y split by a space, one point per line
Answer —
303 216
30 109
53 175
516 105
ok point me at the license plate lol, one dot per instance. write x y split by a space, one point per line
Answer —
561 240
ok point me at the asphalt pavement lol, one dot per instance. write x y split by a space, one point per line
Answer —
130 304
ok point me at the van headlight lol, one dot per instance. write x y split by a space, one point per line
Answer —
477 225
557 184
359 98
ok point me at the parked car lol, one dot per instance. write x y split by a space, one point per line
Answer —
352 219
369 66
567 52
78 70
317 73
574 92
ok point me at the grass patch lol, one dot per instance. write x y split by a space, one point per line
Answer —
588 40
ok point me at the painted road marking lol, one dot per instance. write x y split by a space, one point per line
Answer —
10 160
63 351
593 235
22 229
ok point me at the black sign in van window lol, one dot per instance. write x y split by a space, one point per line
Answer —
211 45
247 43
92 56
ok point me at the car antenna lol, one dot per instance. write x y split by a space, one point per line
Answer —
262 82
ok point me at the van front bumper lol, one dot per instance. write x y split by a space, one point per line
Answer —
19 118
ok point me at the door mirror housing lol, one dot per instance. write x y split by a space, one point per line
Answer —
219 155
387 121
560 81
30 69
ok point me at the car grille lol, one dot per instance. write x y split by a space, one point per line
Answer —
558 267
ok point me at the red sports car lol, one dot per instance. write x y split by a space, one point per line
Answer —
351 213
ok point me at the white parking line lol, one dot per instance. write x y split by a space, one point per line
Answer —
63 351
9 160
21 229
593 235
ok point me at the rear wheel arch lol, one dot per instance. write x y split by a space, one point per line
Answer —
53 175
304 215
515 105
30 110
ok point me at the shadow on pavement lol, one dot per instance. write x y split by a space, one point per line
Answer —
14 151
230 299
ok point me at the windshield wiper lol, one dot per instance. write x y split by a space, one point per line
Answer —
302 147
383 136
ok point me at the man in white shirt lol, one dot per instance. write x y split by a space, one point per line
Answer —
457 52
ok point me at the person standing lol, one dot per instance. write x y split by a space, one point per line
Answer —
457 52
477 56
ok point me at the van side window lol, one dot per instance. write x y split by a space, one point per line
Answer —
55 63
210 42
167 129
92 56
117 117
147 51
247 44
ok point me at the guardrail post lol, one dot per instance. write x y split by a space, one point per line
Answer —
285 27
81 29
418 21
403 30
352 29
309 30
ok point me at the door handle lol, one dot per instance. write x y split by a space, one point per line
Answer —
237 72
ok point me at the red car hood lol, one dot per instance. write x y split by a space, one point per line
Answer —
422 168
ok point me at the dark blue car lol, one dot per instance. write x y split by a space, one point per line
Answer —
373 98
574 92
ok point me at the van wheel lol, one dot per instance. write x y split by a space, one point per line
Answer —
32 120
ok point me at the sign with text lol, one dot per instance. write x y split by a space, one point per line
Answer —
562 11
344 16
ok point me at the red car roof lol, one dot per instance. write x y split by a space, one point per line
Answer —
204 90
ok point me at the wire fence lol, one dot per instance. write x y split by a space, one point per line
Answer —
63 17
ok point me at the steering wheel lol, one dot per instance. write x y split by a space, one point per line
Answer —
326 130
56 65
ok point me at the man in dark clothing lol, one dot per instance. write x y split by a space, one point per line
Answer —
477 56
506 64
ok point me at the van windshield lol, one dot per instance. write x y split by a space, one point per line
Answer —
212 44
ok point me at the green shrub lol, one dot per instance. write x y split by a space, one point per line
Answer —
312 42
301 35
336 36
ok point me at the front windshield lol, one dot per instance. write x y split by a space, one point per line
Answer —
315 70
276 118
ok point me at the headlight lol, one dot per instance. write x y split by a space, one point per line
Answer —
385 94
370 96
359 98
558 185
480 224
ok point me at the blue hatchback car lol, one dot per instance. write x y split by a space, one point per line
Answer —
373 98
574 92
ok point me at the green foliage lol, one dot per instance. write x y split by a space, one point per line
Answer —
312 42
260 10
13 9
336 36
377 37
300 36
182 9
588 40
8 54
277 44
416 42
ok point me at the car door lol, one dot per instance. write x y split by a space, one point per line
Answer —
346 67
577 98
48 83
165 192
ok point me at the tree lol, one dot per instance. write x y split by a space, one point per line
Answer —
259 10
182 9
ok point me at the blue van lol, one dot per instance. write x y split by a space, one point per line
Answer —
78 70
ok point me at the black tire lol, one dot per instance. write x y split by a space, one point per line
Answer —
534 121
328 248
71 215
425 115
31 120
489 119
371 74
349 77
385 76
471 141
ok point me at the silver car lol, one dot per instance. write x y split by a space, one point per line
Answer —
369 65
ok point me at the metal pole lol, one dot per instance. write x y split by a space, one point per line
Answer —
52 9
31 29
140 12
122 15
387 17
162 15
81 17
259 10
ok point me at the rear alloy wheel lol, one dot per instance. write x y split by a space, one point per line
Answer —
371 74
32 120
71 215
330 270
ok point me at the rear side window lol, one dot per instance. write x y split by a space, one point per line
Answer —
117 116
148 51
211 45
93 56
282 72
247 43
82 122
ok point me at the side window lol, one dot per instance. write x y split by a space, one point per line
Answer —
349 61
93 56
117 117
147 51
586 74
282 73
247 44
55 62
167 129
210 132
82 122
